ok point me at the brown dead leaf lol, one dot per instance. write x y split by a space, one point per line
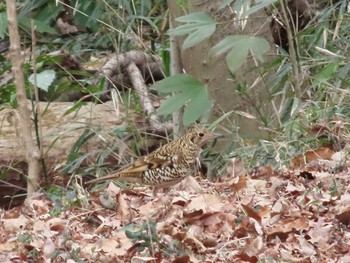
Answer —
240 184
15 224
285 226
180 201
210 219
306 247
278 206
300 161
263 171
190 185
182 259
210 242
251 213
49 248
206 203
13 213
254 247
236 168
108 245
243 257
191 241
123 208
57 224
343 209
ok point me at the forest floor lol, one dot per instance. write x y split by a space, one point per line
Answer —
262 215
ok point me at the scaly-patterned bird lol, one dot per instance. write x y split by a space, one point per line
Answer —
167 165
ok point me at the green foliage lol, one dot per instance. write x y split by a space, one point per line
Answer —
187 92
76 157
248 7
240 46
63 199
145 236
198 26
44 79
324 81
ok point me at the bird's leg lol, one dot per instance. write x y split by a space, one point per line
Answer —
165 190
155 191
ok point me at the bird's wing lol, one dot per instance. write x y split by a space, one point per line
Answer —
148 163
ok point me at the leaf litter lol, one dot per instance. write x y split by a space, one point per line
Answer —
262 215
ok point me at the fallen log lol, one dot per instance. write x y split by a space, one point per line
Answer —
62 126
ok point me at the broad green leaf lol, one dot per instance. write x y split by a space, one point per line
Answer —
172 104
197 36
226 44
236 58
259 46
44 79
196 107
199 26
175 83
195 18
240 47
189 92
175 102
182 30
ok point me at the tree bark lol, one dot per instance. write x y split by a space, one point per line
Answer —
214 72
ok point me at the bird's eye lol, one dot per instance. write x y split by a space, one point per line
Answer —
201 134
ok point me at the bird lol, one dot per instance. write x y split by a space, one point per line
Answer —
167 165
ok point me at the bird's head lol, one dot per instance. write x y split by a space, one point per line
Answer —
199 135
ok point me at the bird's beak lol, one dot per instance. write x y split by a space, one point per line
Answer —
217 135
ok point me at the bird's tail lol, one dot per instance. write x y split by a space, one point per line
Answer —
114 176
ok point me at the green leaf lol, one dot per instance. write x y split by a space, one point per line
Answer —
178 82
198 17
44 79
259 5
173 104
3 24
236 59
226 44
39 26
225 3
198 105
240 46
198 25
198 36
326 73
189 92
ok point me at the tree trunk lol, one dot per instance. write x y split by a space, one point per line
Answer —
215 73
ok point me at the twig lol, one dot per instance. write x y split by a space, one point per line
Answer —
176 68
292 49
